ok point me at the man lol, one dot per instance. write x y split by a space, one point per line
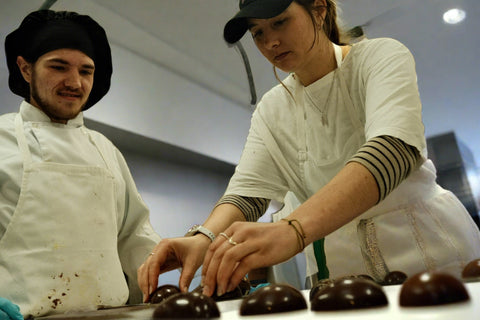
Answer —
73 228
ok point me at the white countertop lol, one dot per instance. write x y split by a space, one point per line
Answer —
458 311
229 310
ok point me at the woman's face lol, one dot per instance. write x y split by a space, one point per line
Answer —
285 40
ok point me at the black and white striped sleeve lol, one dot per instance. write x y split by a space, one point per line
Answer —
389 159
252 208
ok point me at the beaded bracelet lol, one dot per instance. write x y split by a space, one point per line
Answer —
300 233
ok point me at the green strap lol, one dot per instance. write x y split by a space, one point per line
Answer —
319 251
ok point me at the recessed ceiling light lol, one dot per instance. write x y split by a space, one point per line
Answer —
454 16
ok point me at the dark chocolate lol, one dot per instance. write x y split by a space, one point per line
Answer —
394 277
163 292
273 298
187 305
472 269
244 286
352 293
327 282
231 295
432 288
322 284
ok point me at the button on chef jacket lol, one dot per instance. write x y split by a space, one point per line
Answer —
74 147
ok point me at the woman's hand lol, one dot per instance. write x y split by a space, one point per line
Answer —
245 246
169 254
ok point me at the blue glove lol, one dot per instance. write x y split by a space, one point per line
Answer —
9 311
261 285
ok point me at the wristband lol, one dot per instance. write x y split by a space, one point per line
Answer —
200 229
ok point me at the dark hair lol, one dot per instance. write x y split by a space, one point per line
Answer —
330 26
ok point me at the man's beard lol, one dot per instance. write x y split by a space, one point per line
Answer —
46 107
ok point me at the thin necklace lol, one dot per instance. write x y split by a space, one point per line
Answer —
324 110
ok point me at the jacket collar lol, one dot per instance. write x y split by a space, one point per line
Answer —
34 114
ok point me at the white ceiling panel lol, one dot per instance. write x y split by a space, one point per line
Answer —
186 37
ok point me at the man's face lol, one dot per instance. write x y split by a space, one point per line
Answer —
60 83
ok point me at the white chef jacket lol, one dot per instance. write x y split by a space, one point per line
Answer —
299 142
136 237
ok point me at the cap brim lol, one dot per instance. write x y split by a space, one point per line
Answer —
236 27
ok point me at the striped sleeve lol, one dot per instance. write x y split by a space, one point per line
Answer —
389 159
252 208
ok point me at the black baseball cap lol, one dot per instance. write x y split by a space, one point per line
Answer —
259 9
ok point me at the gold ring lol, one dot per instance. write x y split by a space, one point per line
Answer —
223 234
230 240
152 253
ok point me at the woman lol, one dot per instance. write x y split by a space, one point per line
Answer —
343 133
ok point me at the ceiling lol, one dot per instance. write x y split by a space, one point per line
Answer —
185 36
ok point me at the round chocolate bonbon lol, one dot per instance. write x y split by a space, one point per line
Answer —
327 282
187 305
346 294
366 276
273 298
231 295
432 288
319 286
163 292
472 269
394 277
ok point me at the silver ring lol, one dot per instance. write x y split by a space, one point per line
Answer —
152 253
230 240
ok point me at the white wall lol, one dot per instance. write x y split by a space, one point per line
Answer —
151 100
178 196
146 96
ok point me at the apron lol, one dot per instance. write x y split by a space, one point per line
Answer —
59 252
419 226
322 158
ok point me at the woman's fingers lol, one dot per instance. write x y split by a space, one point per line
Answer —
169 254
222 260
142 281
246 246
194 248
155 262
233 258
247 264
186 278
212 249
210 265
190 266
162 259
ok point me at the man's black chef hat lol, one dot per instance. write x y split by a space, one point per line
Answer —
46 30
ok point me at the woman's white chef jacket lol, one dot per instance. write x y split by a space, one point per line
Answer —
72 223
300 143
